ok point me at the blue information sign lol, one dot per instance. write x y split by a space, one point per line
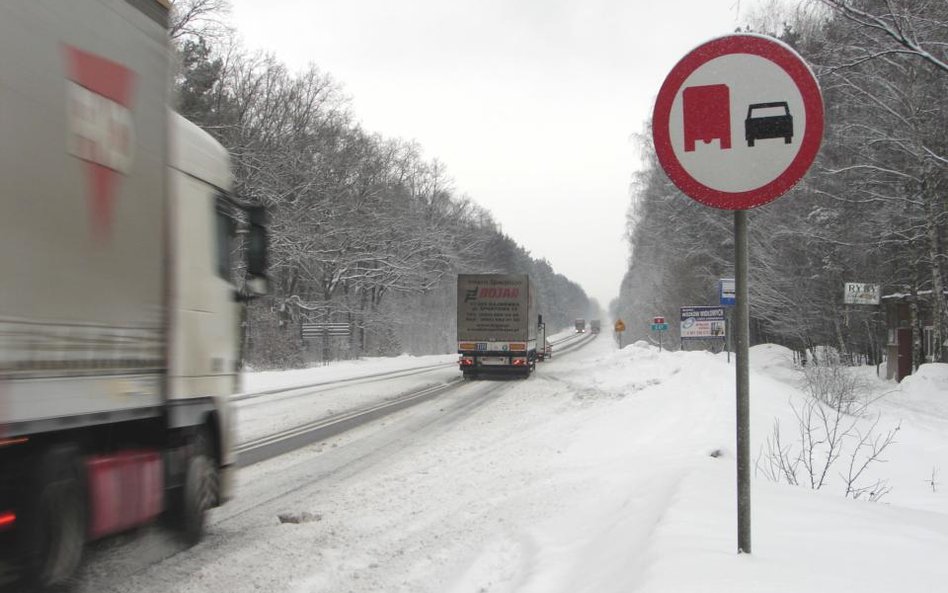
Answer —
727 292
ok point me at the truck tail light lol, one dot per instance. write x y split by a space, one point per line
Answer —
520 362
466 361
13 441
7 520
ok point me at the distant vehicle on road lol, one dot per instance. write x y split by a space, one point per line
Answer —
580 325
595 326
768 120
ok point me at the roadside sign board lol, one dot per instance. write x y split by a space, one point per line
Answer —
727 292
620 326
313 331
659 327
856 293
738 121
702 323
658 319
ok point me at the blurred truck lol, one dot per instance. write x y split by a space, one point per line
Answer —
497 324
580 325
119 319
595 326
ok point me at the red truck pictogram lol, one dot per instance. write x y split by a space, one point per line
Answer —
707 115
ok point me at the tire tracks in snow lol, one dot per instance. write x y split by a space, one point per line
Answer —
152 560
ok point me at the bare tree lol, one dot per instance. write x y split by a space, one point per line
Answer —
830 425
199 19
899 27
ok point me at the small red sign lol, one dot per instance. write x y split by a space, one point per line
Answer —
658 320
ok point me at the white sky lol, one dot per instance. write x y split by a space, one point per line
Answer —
531 104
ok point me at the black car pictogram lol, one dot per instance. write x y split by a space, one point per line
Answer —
768 120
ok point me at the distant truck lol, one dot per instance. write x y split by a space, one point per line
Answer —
120 321
580 325
497 324
595 326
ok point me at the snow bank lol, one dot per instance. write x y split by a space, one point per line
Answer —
928 383
608 471
658 513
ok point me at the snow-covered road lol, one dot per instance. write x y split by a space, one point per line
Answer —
607 471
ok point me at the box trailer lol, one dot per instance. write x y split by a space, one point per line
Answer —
497 324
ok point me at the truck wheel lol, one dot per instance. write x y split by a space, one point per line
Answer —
199 492
56 518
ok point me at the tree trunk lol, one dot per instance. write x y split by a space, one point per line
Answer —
939 310
840 340
915 322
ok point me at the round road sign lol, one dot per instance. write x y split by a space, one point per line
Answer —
738 121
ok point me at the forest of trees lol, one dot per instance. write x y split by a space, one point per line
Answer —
874 207
363 229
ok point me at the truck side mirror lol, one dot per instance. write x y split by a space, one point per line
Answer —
257 283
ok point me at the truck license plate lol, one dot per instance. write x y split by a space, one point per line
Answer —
493 360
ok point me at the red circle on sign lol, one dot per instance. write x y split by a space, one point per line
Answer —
791 63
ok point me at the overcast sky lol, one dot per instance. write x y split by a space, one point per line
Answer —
532 105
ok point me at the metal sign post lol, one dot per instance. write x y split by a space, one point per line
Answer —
737 123
659 325
742 377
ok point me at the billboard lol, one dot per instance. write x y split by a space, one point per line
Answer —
702 323
857 293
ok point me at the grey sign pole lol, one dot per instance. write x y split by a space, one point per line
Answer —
742 338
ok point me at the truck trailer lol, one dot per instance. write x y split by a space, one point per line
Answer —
119 316
497 325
